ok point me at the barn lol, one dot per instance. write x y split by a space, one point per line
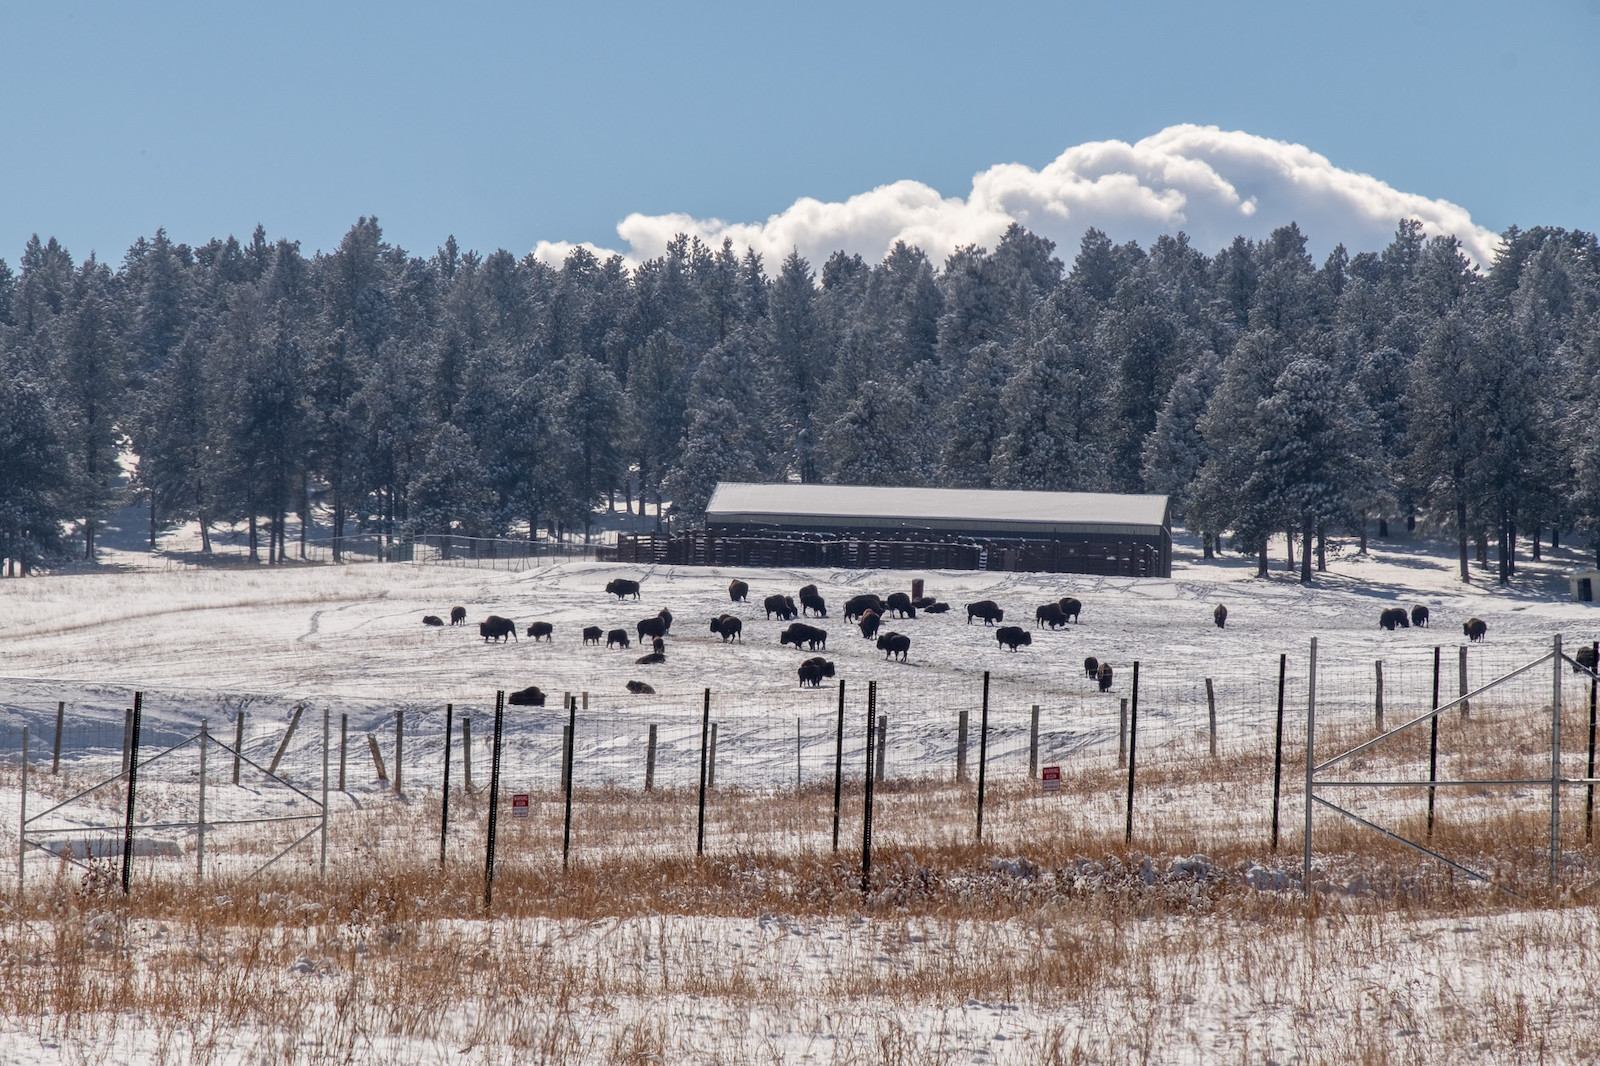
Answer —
902 528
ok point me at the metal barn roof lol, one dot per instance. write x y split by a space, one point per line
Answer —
954 510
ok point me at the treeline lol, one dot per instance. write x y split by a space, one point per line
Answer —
491 395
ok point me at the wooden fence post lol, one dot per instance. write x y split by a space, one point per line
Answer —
288 735
1122 734
377 758
55 755
238 743
883 745
650 761
961 745
1378 700
1211 715
466 752
1033 744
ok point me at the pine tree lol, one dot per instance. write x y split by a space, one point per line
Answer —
448 496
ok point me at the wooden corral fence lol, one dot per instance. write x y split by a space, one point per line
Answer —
703 548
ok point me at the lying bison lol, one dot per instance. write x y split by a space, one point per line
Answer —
799 633
727 627
1220 616
652 659
894 646
432 620
1071 608
528 697
622 588
1050 614
617 638
811 600
924 603
1091 667
738 591
812 671
1475 628
936 608
1392 617
541 629
987 610
458 616
869 624
592 634
1104 676
780 605
497 629
901 604
1013 637
1419 617
639 688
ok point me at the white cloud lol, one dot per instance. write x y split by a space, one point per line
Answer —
1210 183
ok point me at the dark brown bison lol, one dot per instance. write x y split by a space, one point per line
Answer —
1419 617
924 603
1583 659
541 629
1071 608
727 627
780 605
458 616
1091 667
528 697
592 634
799 633
651 659
1220 616
1391 618
639 688
666 617
987 610
901 604
497 629
651 627
812 671
617 638
869 624
894 646
1104 677
1475 629
811 600
1050 614
432 620
738 591
622 588
856 606
1013 637
936 608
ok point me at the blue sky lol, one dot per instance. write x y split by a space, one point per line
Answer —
510 124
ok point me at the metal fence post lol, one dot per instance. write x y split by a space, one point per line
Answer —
55 755
705 740
327 752
1555 763
983 751
866 808
1433 742
1277 751
133 780
200 822
22 817
1311 762
838 766
1133 752
344 727
961 745
238 743
571 763
494 798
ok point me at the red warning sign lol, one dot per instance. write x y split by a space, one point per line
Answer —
519 805
1050 780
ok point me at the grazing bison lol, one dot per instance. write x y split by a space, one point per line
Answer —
799 633
936 608
617 637
458 616
1419 617
894 645
1013 637
1583 659
856 606
1220 616
432 620
812 671
779 605
497 629
811 600
1475 628
1050 614
901 604
639 688
1091 667
987 610
651 627
592 634
1104 677
1391 617
622 588
651 659
727 627
541 629
869 624
738 591
528 697
1071 608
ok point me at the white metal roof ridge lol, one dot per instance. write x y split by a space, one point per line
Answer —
980 506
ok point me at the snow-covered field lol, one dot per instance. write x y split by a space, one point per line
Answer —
210 643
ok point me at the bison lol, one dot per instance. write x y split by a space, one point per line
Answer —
639 688
1419 617
738 591
432 620
1392 617
617 637
1071 608
541 629
1091 667
622 588
1050 614
856 606
1583 659
666 617
727 627
1475 628
869 624
528 697
901 604
924 603
1013 637
780 605
936 608
799 633
812 671
651 659
458 616
592 634
1220 616
811 600
894 645
651 627
497 629
987 610
1104 676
